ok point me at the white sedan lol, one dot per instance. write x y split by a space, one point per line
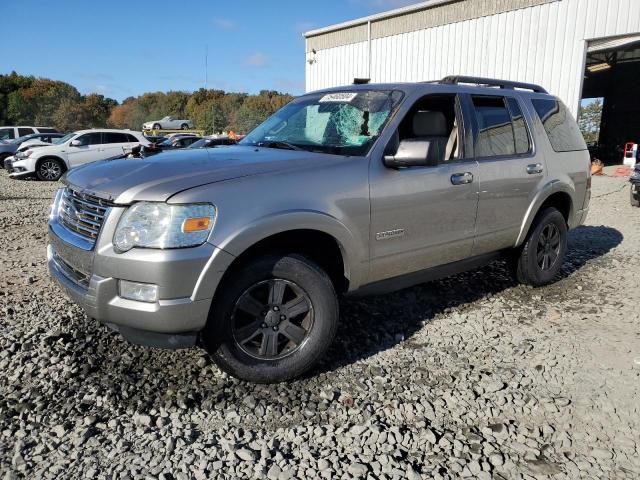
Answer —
168 123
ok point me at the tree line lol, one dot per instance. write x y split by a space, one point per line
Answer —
27 100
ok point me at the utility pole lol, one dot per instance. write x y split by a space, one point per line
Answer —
206 65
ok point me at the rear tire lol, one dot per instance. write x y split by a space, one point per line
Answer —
184 126
49 170
273 319
635 199
543 252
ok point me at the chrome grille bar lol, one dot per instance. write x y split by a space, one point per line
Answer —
82 214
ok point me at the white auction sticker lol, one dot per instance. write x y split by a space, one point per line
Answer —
345 97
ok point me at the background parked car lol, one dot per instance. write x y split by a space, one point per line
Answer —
9 148
73 150
168 123
635 186
10 133
178 142
213 141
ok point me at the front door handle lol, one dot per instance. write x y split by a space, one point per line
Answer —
534 168
461 178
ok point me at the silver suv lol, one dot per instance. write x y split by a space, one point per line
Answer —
363 189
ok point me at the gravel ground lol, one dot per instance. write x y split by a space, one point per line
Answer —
471 376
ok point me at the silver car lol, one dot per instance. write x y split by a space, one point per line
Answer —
168 123
244 249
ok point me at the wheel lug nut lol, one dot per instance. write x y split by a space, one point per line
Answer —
282 317
275 309
264 325
275 328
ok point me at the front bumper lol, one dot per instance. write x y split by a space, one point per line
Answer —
186 279
19 168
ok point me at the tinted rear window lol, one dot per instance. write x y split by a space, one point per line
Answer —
113 137
561 128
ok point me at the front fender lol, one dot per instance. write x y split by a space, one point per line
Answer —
354 257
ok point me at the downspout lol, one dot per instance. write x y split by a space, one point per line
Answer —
369 47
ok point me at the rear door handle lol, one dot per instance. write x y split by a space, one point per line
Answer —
534 168
461 178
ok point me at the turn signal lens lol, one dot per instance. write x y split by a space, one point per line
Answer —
196 224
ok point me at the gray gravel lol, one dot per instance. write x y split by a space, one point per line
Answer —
471 376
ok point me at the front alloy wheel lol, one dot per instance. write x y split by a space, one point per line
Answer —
273 319
49 170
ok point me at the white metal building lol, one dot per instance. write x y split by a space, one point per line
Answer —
548 42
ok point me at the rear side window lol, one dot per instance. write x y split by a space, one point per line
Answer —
561 128
47 130
7 134
113 137
520 132
495 136
131 138
25 131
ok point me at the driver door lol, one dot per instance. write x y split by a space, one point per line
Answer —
424 216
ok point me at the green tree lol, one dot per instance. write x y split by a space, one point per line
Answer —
589 118
257 108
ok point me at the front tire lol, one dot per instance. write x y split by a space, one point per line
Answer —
157 126
273 320
50 170
544 249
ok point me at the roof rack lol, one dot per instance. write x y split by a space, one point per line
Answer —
492 82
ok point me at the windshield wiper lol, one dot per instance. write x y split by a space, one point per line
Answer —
279 144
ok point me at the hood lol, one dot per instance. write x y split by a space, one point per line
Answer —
161 176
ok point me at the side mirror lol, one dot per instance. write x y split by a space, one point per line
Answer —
411 153
75 143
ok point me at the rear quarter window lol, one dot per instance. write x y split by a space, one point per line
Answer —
561 128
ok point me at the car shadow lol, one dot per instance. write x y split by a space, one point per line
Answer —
367 327
373 324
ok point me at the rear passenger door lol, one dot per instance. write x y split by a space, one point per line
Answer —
114 144
510 169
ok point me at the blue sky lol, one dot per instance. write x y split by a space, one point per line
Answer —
124 48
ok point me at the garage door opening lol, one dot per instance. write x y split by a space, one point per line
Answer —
610 104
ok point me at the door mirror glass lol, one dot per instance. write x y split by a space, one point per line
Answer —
412 152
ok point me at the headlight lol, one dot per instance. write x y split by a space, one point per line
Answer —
160 225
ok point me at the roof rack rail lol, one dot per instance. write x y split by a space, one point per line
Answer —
492 82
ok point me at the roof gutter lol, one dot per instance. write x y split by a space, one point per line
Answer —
379 16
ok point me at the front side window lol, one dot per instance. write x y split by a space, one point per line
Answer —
93 138
64 139
562 130
339 123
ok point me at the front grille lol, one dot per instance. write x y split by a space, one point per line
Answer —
82 214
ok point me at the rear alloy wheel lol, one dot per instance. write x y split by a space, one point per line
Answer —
49 170
544 249
184 126
157 126
273 319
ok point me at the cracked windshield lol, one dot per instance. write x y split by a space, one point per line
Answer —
340 123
